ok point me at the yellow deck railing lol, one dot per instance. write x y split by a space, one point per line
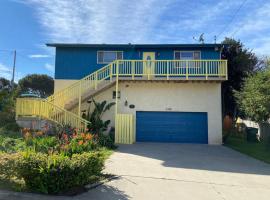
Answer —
43 109
172 68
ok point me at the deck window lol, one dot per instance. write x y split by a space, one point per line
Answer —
187 55
104 57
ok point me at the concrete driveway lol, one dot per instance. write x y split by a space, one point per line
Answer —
180 171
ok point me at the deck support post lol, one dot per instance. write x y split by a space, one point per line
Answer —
116 100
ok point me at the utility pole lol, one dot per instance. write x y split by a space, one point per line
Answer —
13 72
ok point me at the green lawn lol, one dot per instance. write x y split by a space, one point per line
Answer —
258 150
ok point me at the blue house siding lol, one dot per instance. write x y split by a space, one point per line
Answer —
77 62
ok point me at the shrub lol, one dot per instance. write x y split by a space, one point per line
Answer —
55 173
8 164
44 144
12 126
11 134
6 117
11 145
106 141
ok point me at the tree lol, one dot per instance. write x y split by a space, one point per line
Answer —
242 62
254 97
4 82
37 83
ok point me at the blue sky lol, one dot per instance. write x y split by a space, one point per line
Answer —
26 25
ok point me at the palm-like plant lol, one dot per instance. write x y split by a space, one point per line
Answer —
97 125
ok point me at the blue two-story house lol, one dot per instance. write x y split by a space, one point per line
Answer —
163 92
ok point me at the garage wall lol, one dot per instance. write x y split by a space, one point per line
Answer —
171 96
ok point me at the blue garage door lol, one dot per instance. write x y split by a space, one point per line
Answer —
184 127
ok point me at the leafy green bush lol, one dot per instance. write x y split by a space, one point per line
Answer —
55 173
44 144
11 145
106 141
6 118
12 126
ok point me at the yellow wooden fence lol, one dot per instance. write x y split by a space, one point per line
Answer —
124 129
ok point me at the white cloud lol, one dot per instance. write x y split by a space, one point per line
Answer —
91 21
39 56
153 21
49 67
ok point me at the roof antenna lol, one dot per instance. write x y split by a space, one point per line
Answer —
215 39
201 38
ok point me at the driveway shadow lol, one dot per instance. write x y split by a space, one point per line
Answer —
198 156
103 192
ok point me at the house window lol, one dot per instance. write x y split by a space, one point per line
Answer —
187 55
114 95
104 57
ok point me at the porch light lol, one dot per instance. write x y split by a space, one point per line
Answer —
126 102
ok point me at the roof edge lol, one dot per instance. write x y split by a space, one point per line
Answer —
130 45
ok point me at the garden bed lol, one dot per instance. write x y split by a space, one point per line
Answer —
62 164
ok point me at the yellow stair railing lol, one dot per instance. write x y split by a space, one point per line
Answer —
75 90
40 108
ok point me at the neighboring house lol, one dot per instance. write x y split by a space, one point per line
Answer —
165 92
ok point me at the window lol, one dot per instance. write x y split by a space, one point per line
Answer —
109 56
187 55
114 95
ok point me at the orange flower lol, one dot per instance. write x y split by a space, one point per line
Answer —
39 133
80 142
27 135
88 136
74 135
82 135
65 136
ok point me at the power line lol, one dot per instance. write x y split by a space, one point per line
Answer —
233 17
